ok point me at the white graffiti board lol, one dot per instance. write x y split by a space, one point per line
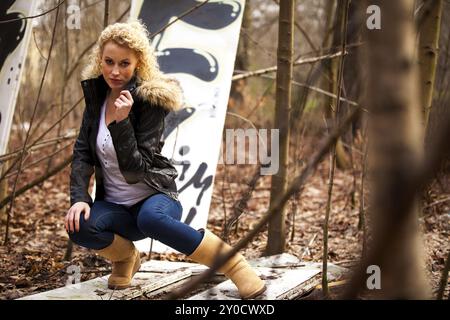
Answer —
199 50
14 38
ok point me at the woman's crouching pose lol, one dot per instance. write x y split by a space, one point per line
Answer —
127 98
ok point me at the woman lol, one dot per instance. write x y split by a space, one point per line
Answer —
127 98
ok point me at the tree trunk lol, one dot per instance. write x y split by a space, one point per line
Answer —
237 96
342 158
428 53
277 228
396 152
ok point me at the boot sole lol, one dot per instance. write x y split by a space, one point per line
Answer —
256 294
137 265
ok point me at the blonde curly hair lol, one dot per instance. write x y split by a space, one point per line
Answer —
132 34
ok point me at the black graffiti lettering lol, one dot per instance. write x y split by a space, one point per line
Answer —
210 16
197 182
200 64
183 163
191 215
174 119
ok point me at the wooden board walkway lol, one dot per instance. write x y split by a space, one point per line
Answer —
286 278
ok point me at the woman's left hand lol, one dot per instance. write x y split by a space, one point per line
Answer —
123 105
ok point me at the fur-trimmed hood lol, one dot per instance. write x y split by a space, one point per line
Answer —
161 91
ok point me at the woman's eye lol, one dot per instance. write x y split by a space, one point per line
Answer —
108 61
125 64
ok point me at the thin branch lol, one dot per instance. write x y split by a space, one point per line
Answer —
55 152
40 137
329 94
333 153
37 181
106 15
36 16
11 207
444 279
298 62
303 32
178 18
267 52
86 50
438 154
436 202
241 204
262 98
37 47
294 187
37 146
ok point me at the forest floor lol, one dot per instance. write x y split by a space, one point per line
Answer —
33 259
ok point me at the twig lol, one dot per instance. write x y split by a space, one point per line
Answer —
296 63
333 154
40 137
444 278
436 202
106 14
436 156
36 16
37 146
11 208
324 92
251 123
241 204
294 187
58 150
306 251
37 181
86 50
303 31
178 18
224 204
362 223
261 99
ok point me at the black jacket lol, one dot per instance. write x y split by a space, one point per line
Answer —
136 139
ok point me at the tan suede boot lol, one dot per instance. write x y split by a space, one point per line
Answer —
237 268
125 260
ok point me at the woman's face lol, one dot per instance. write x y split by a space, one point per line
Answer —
118 64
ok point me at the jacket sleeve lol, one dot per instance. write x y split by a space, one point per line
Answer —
82 165
136 147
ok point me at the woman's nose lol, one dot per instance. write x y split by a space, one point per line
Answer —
115 71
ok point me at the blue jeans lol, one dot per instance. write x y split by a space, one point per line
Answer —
156 217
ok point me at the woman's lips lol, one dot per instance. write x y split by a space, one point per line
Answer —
116 81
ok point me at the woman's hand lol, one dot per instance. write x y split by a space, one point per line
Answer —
72 221
123 105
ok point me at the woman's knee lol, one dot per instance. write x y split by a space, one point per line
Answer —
156 215
85 231
149 221
87 236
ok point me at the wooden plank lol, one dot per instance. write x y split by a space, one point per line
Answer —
285 275
282 283
148 278
288 260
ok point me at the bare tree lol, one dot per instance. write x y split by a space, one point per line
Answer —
396 156
277 227
428 52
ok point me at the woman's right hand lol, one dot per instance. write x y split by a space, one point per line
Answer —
72 221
